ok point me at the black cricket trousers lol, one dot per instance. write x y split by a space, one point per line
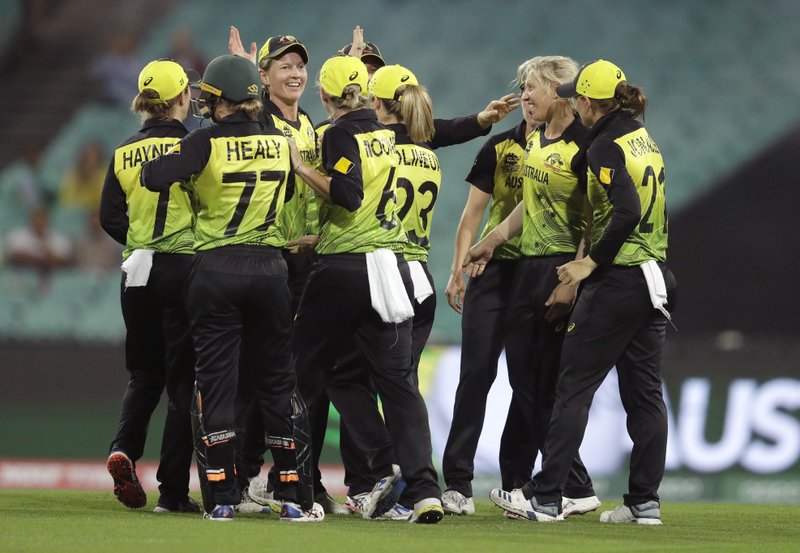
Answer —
334 310
351 388
613 323
533 351
483 335
239 308
158 353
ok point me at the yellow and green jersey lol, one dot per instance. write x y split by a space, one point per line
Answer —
626 183
498 170
238 171
299 215
419 177
361 216
136 217
553 184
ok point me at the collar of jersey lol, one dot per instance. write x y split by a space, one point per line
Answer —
359 115
270 108
608 121
236 117
150 123
518 134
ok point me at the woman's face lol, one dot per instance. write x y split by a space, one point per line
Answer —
583 106
286 78
538 100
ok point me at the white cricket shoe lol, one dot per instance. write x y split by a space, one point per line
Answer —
579 505
648 513
456 503
427 511
292 512
355 503
381 489
397 512
515 502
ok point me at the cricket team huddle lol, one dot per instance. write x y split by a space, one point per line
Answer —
273 268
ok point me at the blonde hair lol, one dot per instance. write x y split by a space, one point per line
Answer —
627 97
149 105
552 70
415 110
351 98
522 74
264 65
251 108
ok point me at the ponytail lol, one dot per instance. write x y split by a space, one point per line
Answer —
415 110
627 97
351 98
632 99
149 105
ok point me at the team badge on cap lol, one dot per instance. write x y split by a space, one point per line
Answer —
276 46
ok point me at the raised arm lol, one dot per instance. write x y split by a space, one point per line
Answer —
236 47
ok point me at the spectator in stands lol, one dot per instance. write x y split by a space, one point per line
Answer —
83 183
95 250
37 246
184 52
27 191
117 71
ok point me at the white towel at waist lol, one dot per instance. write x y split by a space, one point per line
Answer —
422 287
386 289
137 268
656 287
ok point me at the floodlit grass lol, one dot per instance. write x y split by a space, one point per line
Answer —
87 522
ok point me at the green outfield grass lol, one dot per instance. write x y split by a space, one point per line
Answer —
87 522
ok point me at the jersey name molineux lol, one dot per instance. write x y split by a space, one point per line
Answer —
299 214
374 224
160 221
645 165
552 174
241 191
418 180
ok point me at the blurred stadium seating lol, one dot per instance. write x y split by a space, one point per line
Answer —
716 74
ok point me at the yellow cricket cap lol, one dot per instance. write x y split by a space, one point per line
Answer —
597 80
340 71
167 78
386 81
276 46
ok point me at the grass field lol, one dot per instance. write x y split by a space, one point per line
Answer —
87 522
